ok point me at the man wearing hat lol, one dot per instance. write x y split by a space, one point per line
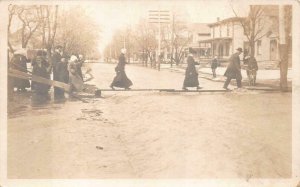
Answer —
233 70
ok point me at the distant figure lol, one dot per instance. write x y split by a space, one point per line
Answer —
252 69
214 65
40 68
191 74
121 80
233 70
56 60
19 62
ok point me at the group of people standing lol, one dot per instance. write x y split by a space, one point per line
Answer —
65 69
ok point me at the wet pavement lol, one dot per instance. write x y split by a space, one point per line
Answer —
241 134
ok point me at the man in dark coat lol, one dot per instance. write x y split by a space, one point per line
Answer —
191 74
233 70
58 72
40 68
121 80
19 62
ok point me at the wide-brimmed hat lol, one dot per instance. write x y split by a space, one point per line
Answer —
239 49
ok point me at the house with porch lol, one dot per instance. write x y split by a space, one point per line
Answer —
199 32
228 34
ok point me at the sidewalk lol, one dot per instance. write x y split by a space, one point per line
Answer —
265 78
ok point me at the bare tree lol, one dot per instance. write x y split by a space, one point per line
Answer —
180 38
254 26
11 14
48 16
145 40
77 32
28 15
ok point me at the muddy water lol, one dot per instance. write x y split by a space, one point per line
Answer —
192 135
153 135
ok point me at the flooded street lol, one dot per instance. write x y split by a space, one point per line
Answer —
154 134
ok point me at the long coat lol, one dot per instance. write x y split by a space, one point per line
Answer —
121 80
40 66
19 63
74 78
233 70
214 64
56 58
191 74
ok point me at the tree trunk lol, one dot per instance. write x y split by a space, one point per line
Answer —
283 50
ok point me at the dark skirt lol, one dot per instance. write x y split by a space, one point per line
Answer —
191 81
21 83
121 80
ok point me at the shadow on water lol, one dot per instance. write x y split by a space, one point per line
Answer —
29 104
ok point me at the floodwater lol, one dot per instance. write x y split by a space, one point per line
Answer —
154 135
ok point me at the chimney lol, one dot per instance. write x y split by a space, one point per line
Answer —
218 19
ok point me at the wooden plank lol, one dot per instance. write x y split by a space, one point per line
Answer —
23 75
160 90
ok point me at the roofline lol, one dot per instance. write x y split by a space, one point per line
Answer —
231 19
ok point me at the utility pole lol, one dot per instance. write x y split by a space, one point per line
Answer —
159 40
159 16
172 38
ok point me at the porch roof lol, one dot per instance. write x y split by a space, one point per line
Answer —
215 39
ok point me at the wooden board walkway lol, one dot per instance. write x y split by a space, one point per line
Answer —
23 75
162 90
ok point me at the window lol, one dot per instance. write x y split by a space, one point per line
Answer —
227 29
220 28
258 47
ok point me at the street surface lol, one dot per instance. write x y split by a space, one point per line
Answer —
243 134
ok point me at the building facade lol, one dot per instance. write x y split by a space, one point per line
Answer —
228 35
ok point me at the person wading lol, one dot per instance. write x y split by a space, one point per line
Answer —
40 68
233 70
57 72
121 80
191 74
19 62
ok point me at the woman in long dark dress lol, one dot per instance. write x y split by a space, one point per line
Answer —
191 74
19 63
40 68
121 80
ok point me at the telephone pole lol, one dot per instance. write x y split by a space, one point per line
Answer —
160 17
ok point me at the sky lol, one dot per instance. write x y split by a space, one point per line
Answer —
111 15
115 14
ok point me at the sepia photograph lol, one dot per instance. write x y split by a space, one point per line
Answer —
151 90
